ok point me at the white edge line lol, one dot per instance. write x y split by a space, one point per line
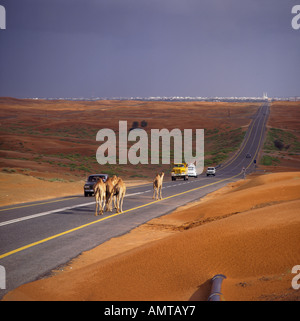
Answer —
53 211
43 213
64 209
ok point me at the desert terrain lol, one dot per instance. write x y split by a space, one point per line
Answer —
281 150
57 139
53 143
249 230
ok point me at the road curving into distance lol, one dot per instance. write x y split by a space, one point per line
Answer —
37 237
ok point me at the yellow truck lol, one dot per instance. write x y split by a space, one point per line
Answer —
180 170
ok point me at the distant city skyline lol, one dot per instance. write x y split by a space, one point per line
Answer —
141 48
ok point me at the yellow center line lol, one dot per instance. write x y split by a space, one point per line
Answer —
105 218
126 211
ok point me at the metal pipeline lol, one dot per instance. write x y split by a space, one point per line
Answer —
215 293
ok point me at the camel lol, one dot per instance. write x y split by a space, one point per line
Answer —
99 191
157 185
119 191
110 183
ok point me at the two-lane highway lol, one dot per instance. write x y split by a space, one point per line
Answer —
37 237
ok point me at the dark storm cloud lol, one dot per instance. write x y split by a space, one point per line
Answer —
148 48
132 17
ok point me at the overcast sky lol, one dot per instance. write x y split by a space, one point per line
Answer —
124 48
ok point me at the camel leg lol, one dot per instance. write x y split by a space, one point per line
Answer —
111 204
103 203
101 206
121 202
97 207
96 199
118 203
96 194
155 193
108 202
115 200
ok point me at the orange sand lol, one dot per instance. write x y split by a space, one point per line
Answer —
248 231
18 188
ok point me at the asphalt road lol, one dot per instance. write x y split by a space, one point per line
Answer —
37 237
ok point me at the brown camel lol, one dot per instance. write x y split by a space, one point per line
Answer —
110 183
119 192
99 191
157 185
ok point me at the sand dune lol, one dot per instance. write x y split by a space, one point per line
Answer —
18 188
254 241
260 191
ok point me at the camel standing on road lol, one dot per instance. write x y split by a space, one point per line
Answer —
100 195
119 192
110 183
157 185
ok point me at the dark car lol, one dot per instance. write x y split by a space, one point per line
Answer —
92 179
248 155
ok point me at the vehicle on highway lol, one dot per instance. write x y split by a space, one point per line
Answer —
91 180
211 171
192 171
180 170
248 155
